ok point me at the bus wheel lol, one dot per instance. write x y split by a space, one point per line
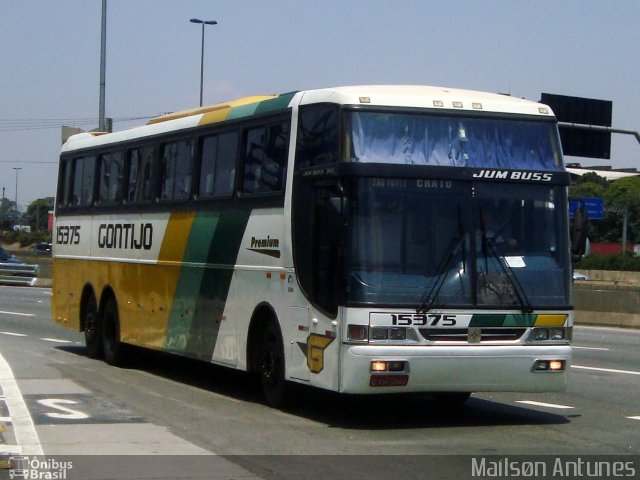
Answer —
274 385
113 348
92 337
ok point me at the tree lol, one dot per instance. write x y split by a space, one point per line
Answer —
625 193
38 213
7 214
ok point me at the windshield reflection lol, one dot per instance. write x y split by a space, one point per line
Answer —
422 139
456 243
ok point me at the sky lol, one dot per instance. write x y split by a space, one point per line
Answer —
50 57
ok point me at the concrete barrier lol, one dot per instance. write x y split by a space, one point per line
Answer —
608 299
18 274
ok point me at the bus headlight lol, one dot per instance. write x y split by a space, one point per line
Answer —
386 333
379 333
556 334
397 333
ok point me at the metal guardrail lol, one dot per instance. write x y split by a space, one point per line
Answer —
18 274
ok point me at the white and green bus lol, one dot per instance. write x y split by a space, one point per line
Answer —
367 239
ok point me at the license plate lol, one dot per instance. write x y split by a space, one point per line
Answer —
388 380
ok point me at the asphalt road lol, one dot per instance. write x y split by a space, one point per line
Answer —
164 405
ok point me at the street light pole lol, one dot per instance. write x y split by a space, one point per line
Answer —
203 23
102 127
17 169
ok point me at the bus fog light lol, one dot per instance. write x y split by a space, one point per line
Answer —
541 366
556 365
398 334
359 333
378 366
549 366
397 366
556 334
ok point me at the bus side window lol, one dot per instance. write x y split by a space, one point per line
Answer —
141 175
265 159
134 170
83 181
217 173
111 177
317 142
207 166
64 183
226 157
176 170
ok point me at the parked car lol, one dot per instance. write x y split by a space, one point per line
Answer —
579 276
42 248
8 257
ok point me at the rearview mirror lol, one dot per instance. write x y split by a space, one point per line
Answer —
579 231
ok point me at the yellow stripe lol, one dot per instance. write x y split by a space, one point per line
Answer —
212 113
148 325
220 114
551 320
176 236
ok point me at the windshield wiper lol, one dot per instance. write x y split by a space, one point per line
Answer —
489 244
443 268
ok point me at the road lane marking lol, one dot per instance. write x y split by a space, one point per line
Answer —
23 427
18 313
634 418
56 340
14 334
592 348
5 419
540 404
608 370
67 413
11 449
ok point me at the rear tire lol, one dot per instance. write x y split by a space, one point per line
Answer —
92 328
272 367
111 344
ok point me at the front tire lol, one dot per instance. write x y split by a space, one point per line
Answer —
272 367
111 344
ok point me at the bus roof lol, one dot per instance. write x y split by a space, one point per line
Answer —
438 98
410 96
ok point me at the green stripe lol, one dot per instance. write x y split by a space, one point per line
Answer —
242 111
184 302
279 103
215 282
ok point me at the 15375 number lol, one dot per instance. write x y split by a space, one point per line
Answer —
421 320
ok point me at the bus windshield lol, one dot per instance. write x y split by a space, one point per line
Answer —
436 243
457 141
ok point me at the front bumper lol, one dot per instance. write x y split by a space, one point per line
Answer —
457 368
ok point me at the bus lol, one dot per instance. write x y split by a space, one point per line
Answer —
361 239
